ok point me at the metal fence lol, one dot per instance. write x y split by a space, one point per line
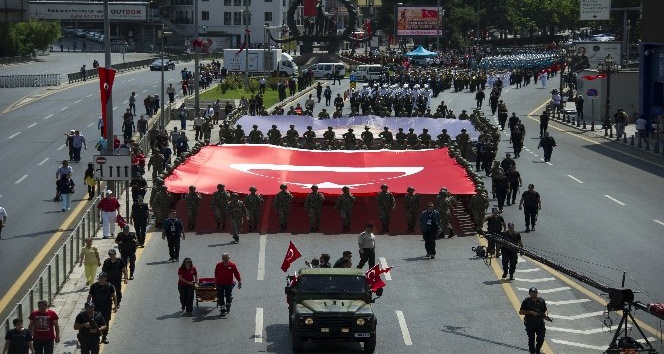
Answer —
16 60
57 271
9 81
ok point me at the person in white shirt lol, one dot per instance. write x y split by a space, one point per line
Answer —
63 171
3 219
641 124
367 244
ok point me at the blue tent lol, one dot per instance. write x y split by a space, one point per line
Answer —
420 52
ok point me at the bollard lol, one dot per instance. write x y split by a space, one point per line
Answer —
592 125
584 125
656 148
647 144
639 145
631 141
578 122
625 138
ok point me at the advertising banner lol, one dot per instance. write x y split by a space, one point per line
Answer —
417 21
88 11
595 10
589 54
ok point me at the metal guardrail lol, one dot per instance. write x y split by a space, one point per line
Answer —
16 60
9 81
57 271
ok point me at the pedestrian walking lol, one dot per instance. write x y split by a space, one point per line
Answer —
140 216
514 178
238 213
127 244
534 309
544 123
44 328
89 180
78 143
116 273
90 257
282 202
547 143
344 206
313 205
443 204
66 190
224 273
3 219
367 244
109 207
430 227
18 340
103 295
192 202
386 204
509 253
531 204
187 279
411 207
89 324
172 232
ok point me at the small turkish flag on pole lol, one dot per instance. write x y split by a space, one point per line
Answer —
429 13
373 277
292 254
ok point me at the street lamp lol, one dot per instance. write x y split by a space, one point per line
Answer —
564 57
162 116
607 67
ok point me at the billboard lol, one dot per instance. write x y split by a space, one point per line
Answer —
417 21
595 10
88 11
589 54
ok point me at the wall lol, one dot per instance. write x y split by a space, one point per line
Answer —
624 94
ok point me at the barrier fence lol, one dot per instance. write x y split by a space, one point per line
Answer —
9 81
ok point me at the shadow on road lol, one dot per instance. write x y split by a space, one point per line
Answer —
457 331
608 149
35 234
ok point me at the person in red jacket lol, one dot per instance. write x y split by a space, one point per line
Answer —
223 279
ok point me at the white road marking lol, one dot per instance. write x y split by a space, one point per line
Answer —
89 95
404 328
614 199
44 160
13 135
536 155
261 257
63 108
574 178
527 270
21 179
650 339
31 125
258 334
77 101
580 331
48 116
61 147
383 264
540 280
145 90
1 196
577 317
579 345
548 291
659 222
91 124
567 302
549 163
527 149
114 108
125 101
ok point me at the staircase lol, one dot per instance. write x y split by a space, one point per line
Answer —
460 220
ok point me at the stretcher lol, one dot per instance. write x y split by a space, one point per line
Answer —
206 291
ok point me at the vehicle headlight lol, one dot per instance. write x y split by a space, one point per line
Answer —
309 321
360 321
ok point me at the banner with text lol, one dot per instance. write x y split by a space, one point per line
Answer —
88 11
418 21
590 54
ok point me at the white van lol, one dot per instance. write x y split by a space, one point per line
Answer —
326 70
368 72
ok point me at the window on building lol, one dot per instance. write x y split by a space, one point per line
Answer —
227 2
268 17
237 18
247 3
247 20
268 0
227 19
205 16
237 2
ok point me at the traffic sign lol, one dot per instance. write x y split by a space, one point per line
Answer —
352 85
112 168
592 94
352 78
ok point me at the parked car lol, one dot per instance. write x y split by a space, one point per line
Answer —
167 64
604 37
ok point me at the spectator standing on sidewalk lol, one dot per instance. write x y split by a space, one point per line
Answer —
90 256
187 279
621 121
18 340
89 324
224 273
44 328
109 207
641 125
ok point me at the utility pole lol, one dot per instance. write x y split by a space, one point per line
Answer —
247 16
438 27
110 137
196 62
477 32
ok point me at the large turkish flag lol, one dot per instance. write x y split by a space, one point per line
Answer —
267 166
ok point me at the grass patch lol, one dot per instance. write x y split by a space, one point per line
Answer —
270 97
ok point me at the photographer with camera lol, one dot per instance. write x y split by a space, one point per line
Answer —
535 312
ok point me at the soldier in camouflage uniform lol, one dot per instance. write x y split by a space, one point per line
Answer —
344 206
219 201
463 140
238 134
411 208
156 161
443 204
237 212
207 129
192 202
444 138
282 202
254 202
292 136
496 171
329 135
478 205
274 135
313 205
367 137
255 136
386 204
161 204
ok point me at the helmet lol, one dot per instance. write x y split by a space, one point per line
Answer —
309 127
283 187
345 188
366 127
411 129
350 129
314 187
292 126
252 189
255 126
463 130
386 128
329 128
274 126
425 130
410 189
444 130
383 186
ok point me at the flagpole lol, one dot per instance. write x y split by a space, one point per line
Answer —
108 125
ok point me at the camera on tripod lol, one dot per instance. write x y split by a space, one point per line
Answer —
480 251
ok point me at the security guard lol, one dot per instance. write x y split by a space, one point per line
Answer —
367 244
535 312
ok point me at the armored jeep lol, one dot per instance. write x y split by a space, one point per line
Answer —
331 305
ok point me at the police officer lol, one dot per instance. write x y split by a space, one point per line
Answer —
535 312
495 225
172 232
127 244
510 255
530 203
140 215
344 206
430 225
313 205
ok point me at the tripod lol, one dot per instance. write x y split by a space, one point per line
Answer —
618 344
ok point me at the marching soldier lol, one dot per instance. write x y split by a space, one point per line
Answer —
255 136
337 113
193 201
411 137
309 137
478 205
313 205
462 140
444 202
323 114
282 202
160 201
386 204
253 202
219 203
237 212
444 138
156 161
274 135
344 206
400 137
412 205
238 134
367 137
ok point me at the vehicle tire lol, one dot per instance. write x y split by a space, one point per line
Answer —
298 343
370 345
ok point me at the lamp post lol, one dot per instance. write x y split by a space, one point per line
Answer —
438 25
162 116
565 56
607 67
247 17
197 73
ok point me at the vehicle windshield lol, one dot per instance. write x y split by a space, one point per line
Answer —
332 284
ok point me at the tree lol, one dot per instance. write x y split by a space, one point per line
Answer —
24 38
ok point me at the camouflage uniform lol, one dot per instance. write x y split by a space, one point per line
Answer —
282 202
367 137
156 161
386 204
193 202
443 204
253 201
444 138
255 136
237 212
292 136
344 206
161 204
478 205
207 129
411 208
218 203
313 205
462 140
274 135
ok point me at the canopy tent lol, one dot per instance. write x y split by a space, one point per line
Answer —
375 123
268 166
421 52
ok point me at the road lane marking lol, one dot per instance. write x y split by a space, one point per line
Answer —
77 101
13 135
48 116
258 334
114 108
89 95
261 258
527 270
540 280
63 108
383 264
60 148
91 124
566 302
548 291
578 317
580 331
549 163
574 178
614 199
404 328
21 179
579 345
31 125
659 222
44 160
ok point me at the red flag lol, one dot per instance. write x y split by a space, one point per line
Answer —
429 13
292 254
197 43
594 77
106 77
241 49
310 7
373 277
